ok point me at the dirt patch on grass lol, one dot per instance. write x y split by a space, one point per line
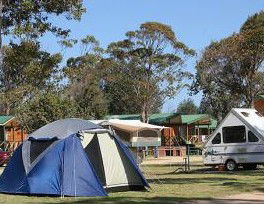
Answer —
171 160
247 196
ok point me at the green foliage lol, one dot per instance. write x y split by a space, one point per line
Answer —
187 107
254 22
26 68
67 43
149 60
31 18
230 71
45 108
85 85
91 45
27 64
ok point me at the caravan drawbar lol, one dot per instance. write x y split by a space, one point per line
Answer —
237 141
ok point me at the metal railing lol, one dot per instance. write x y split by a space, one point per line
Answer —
9 146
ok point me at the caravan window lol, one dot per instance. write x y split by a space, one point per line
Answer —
234 134
217 139
252 137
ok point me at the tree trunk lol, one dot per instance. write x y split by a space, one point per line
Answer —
144 114
6 106
1 32
7 109
1 22
249 101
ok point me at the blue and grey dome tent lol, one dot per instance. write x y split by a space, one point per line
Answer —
71 157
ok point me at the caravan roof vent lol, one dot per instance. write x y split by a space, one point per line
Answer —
258 113
245 114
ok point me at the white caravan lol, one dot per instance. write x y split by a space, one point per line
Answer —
237 141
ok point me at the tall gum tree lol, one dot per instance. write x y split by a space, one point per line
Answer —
25 69
230 71
31 19
84 75
26 21
151 59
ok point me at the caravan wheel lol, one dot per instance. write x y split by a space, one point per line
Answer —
230 165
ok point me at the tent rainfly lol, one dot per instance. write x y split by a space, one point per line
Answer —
71 157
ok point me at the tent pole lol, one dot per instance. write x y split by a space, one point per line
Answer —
62 181
74 173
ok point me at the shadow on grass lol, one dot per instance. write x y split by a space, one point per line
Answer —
260 189
159 200
247 187
188 180
201 169
170 165
241 172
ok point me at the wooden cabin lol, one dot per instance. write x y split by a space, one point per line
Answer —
11 133
259 104
191 129
183 128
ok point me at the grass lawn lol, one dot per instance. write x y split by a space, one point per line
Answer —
167 186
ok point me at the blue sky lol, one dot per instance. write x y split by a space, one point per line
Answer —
195 22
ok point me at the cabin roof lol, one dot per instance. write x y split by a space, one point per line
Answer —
189 119
161 118
154 118
167 118
5 118
259 97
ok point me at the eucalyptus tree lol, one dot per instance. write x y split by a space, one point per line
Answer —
44 108
187 107
23 65
26 68
230 71
84 76
30 18
150 60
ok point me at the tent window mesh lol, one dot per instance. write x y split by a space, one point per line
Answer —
37 147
